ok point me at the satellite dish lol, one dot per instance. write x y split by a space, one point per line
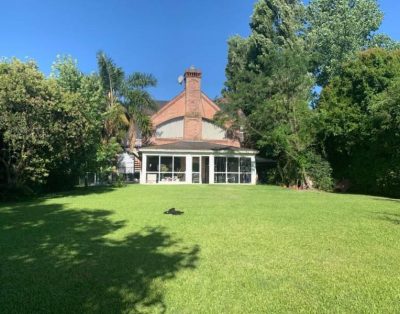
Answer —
180 79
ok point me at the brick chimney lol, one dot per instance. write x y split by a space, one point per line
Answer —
192 121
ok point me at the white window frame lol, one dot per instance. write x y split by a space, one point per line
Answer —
226 172
198 172
173 172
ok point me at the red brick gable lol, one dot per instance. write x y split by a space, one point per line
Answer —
193 107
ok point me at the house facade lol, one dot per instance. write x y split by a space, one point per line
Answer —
187 147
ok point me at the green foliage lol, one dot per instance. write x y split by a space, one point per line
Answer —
360 115
138 103
40 124
54 130
111 75
270 87
268 93
319 171
65 70
128 102
86 95
336 30
107 158
383 41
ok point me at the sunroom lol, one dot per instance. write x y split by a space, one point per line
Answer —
197 163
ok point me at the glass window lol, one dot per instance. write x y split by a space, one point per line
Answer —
233 178
179 164
233 164
179 177
220 164
245 164
245 178
152 178
152 163
220 178
195 178
166 164
166 177
232 170
196 164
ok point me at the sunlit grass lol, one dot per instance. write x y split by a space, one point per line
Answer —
236 249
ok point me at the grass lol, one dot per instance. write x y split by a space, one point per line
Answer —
236 249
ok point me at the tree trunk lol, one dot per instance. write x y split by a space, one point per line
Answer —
7 171
132 135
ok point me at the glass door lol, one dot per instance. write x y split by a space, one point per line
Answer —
205 169
196 166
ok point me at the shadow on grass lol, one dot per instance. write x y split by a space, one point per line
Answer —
390 217
395 200
82 191
55 260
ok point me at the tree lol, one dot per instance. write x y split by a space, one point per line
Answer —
268 92
336 30
129 102
40 125
65 70
112 79
138 103
90 103
359 112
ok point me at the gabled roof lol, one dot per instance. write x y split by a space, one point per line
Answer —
197 146
161 103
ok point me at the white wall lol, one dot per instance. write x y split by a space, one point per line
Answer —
170 129
212 131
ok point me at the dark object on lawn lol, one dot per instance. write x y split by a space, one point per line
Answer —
173 211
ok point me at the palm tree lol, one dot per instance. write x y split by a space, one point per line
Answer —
138 105
112 79
128 101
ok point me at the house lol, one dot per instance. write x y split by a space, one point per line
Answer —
187 147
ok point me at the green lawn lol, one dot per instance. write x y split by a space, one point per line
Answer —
237 249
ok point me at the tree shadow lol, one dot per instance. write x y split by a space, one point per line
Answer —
390 217
75 192
81 191
56 260
387 199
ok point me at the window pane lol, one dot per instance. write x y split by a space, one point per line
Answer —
233 178
152 178
179 177
195 178
179 164
220 164
220 178
245 178
166 164
245 165
233 164
152 163
166 177
196 164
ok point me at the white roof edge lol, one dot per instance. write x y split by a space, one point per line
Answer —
151 150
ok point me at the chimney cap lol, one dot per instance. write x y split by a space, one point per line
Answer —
192 72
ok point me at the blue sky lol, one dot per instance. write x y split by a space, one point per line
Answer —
155 36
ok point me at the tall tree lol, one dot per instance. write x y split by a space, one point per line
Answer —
40 125
337 30
112 79
129 101
88 91
360 114
138 104
268 92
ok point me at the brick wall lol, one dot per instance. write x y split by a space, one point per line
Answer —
193 106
